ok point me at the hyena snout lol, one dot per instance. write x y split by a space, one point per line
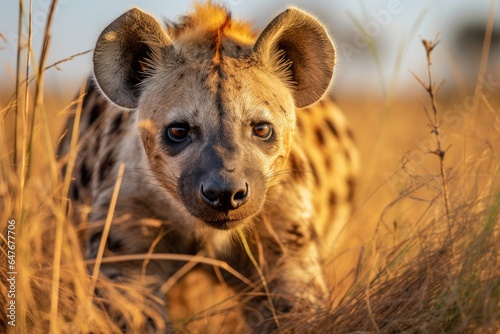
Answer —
224 193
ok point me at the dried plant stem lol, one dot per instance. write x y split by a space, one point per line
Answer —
175 257
431 89
40 84
434 124
18 78
24 111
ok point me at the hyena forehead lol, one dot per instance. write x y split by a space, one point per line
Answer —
295 48
231 90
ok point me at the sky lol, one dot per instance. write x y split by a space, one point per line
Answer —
395 26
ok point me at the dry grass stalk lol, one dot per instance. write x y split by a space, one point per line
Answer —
435 124
39 107
18 78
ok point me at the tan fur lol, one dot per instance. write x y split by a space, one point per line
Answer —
215 76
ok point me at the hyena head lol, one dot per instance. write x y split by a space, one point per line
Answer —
215 103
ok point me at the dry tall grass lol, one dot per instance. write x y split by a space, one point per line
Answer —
411 260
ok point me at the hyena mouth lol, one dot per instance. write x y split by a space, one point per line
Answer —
223 224
223 220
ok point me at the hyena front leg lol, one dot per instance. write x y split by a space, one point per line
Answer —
295 282
133 297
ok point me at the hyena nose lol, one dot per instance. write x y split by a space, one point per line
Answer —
223 197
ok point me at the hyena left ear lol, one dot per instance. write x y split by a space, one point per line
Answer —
298 47
125 51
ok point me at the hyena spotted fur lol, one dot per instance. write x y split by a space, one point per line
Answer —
224 133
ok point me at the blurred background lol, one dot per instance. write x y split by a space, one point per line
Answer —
377 40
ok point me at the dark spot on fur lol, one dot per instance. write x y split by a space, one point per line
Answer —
114 244
75 194
95 239
328 162
319 136
351 187
283 110
85 175
297 167
313 233
97 144
347 155
114 275
332 198
315 174
64 169
94 113
296 237
295 231
332 128
283 305
106 166
350 134
299 126
117 121
181 76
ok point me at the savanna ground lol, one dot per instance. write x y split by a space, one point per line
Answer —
420 255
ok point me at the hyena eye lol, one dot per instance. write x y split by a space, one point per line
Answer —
177 132
263 131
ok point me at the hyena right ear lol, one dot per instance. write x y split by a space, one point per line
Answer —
298 48
125 51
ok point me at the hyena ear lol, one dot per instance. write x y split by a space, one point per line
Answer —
300 50
125 51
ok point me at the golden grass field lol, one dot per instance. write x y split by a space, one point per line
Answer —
420 255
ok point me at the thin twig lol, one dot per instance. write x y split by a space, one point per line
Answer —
435 124
29 79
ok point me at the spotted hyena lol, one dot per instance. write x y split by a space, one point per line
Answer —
225 134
